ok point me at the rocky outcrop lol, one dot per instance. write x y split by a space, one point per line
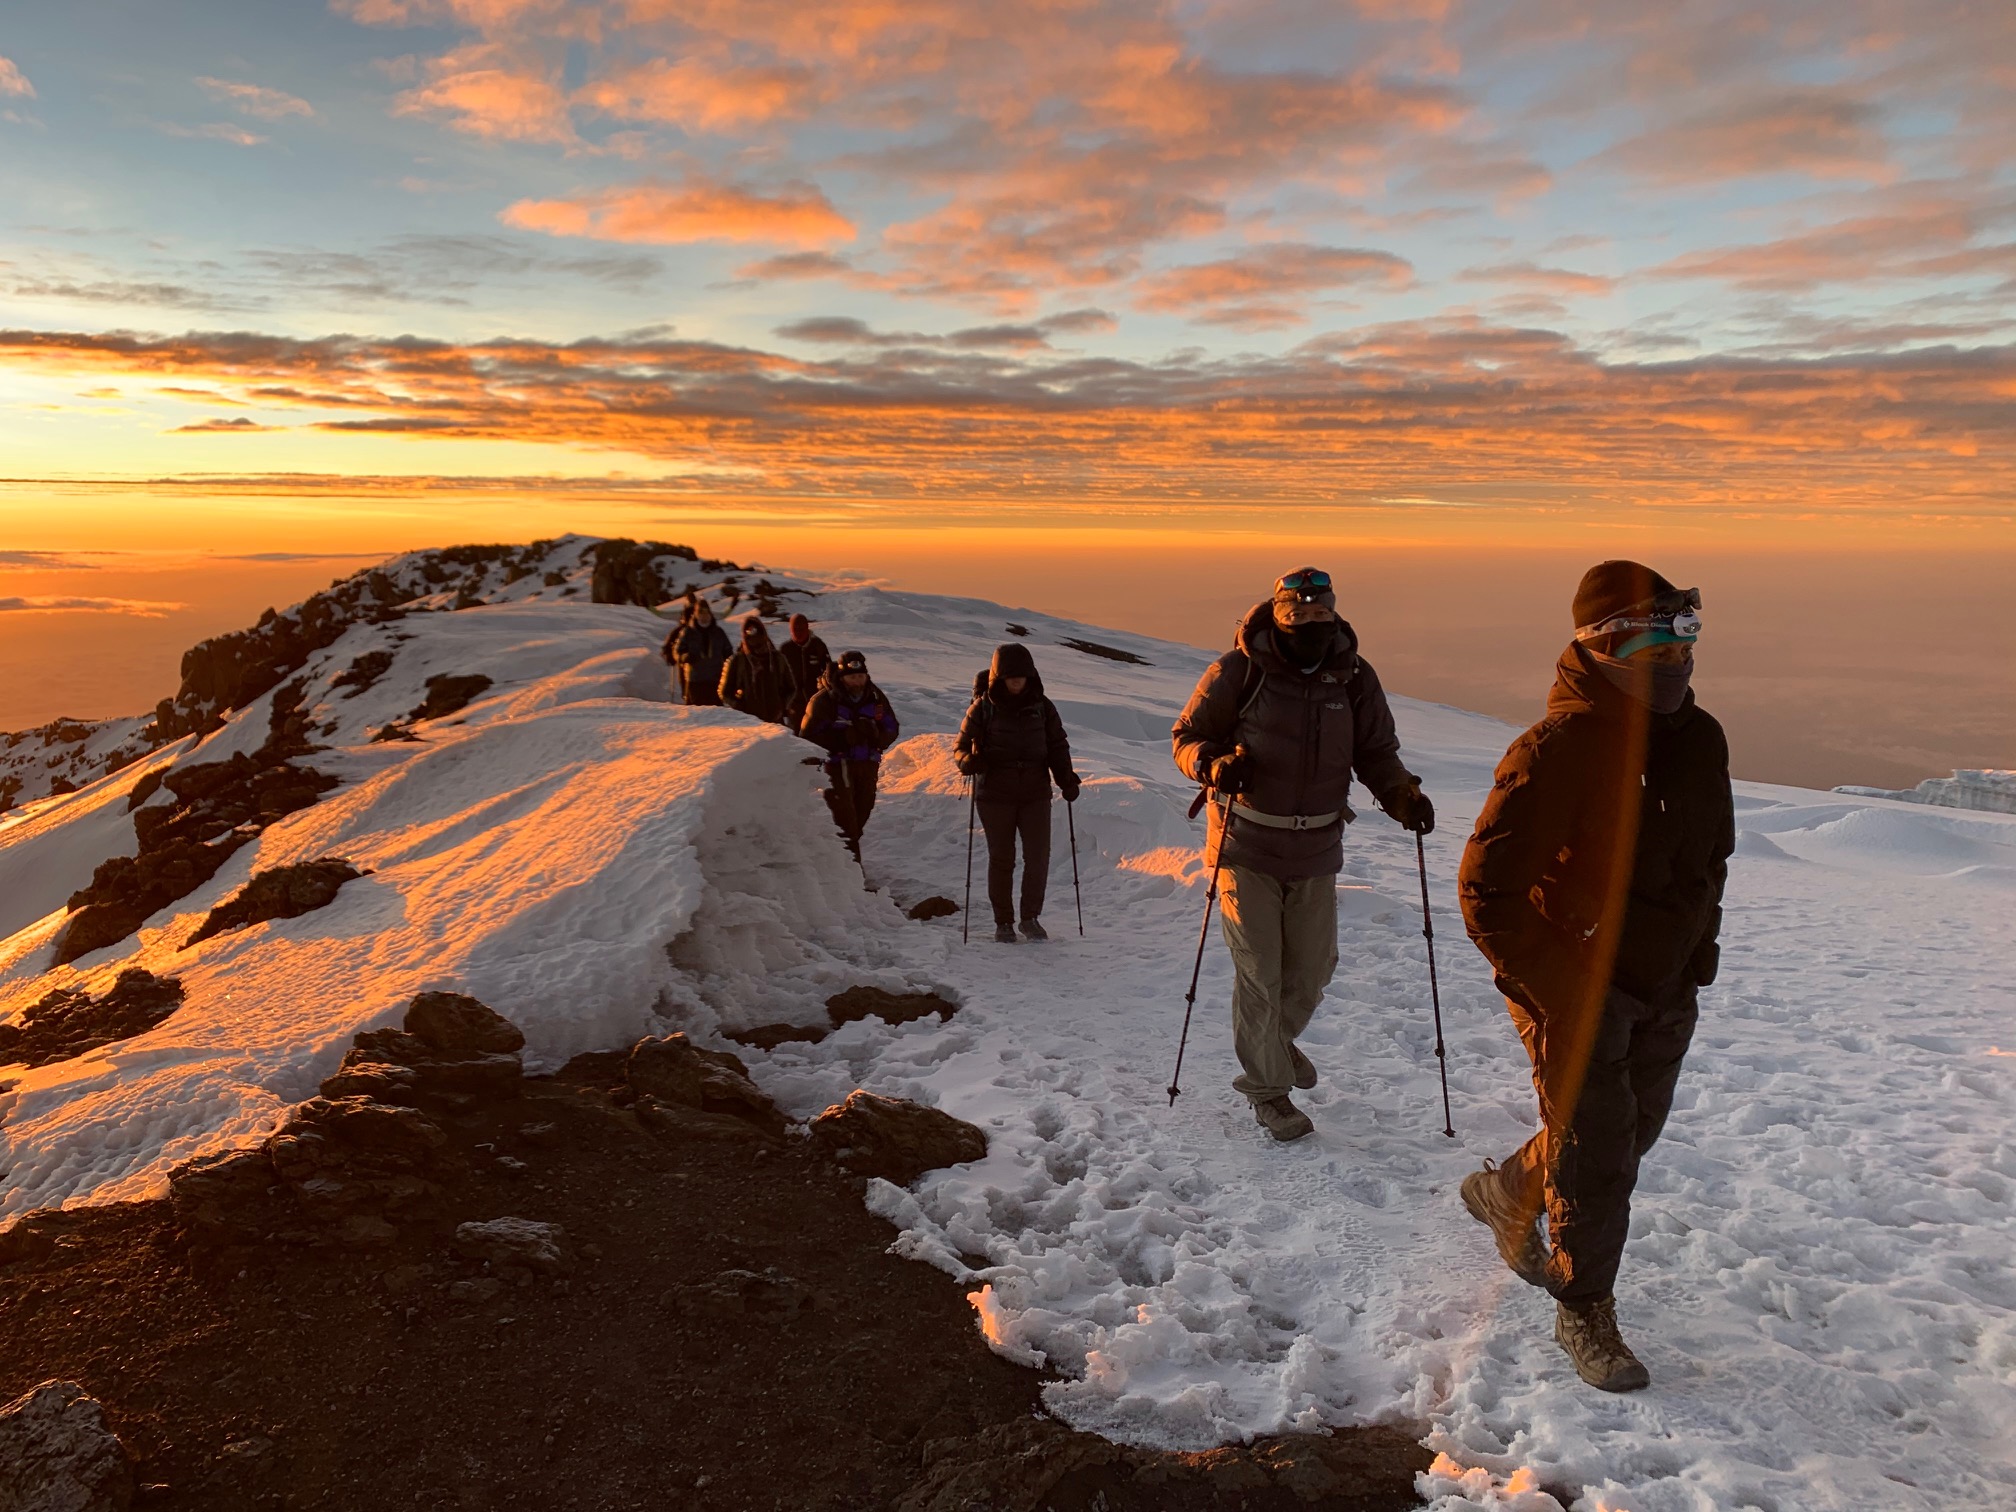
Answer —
449 693
362 673
897 1140
683 1089
932 908
515 1244
452 1047
858 1003
58 1455
70 1021
640 572
283 892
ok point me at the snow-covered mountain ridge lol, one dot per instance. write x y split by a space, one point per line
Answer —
1820 1273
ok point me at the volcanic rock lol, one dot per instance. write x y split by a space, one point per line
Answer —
735 1293
932 908
69 1021
454 1025
223 1198
126 890
58 1455
283 892
891 1007
520 1242
674 1070
897 1140
449 694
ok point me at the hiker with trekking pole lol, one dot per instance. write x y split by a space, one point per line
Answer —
1593 886
853 722
1012 744
1274 733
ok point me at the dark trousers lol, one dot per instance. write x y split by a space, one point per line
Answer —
1004 821
698 681
1605 1090
852 799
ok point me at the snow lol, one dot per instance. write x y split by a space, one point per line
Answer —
1820 1273
1990 790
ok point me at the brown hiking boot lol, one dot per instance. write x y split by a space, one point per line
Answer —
1305 1068
1598 1352
1283 1119
1516 1230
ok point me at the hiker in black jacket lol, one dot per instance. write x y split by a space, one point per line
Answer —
1012 744
757 680
698 650
851 720
808 658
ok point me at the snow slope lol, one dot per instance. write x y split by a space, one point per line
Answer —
1820 1273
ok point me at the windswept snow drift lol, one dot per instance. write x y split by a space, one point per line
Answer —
1820 1273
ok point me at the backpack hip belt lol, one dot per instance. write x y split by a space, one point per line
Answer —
1289 821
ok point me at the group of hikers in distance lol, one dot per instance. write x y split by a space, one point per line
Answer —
1592 882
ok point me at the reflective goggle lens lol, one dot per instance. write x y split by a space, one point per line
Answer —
1308 577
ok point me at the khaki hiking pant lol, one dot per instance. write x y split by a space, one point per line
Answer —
1283 939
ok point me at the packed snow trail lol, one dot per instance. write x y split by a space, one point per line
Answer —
1820 1274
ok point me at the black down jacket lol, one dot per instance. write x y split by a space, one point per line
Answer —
1306 734
1601 852
1013 744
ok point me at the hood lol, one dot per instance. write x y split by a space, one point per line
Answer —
1256 639
756 635
1014 660
801 629
1581 688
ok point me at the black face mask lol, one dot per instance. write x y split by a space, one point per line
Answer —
1306 645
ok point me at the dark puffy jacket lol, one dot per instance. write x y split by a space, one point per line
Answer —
702 648
832 715
1305 733
1013 744
1601 852
758 683
808 663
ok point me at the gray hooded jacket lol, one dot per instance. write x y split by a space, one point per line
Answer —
1306 734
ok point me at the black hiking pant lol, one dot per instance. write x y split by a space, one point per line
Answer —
1605 1090
1004 821
852 799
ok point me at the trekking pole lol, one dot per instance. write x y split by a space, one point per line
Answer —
1076 895
966 915
1434 991
1197 967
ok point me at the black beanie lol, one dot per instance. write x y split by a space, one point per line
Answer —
1012 660
1612 588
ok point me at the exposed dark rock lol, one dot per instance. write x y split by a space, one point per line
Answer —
33 1237
1018 629
679 1122
145 788
362 672
1111 653
635 572
223 1198
452 1046
674 1070
70 1021
770 1036
516 1243
392 731
448 694
897 1140
284 892
453 1024
891 1007
58 1455
1039 1465
743 1293
344 1156
932 908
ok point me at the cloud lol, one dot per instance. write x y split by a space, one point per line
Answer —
1823 133
1268 285
483 92
845 330
13 81
47 561
214 131
143 608
699 209
255 100
702 95
1533 276
438 270
160 294
1935 237
1402 408
237 426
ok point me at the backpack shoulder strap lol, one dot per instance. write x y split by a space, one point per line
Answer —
1249 687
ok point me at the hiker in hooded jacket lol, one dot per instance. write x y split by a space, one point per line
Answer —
808 658
757 680
1593 886
854 723
1012 744
698 649
1274 732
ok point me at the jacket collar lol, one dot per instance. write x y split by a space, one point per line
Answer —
1256 640
1581 688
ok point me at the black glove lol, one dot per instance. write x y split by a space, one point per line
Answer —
1411 808
969 763
1069 786
1229 774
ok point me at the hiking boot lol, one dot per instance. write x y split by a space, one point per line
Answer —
1283 1119
1305 1069
1516 1230
1598 1352
1004 934
1031 930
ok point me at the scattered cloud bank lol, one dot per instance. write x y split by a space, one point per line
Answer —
143 608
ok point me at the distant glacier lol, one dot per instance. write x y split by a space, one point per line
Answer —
1992 791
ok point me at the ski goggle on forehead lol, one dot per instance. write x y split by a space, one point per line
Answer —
1304 580
1674 615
